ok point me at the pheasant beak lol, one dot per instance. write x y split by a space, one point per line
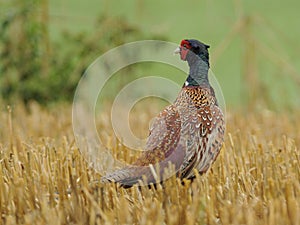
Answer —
177 50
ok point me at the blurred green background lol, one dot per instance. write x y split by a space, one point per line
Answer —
46 45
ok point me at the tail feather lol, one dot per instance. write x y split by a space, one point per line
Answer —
131 175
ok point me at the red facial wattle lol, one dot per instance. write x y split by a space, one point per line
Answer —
184 49
183 53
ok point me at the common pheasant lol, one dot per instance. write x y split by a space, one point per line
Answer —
188 134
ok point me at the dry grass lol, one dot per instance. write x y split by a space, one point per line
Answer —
45 180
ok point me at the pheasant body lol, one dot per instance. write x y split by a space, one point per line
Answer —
188 134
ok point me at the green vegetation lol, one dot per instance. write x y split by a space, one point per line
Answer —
33 67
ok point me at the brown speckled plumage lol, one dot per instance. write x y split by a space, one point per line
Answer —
189 134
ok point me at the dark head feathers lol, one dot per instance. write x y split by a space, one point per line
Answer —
198 47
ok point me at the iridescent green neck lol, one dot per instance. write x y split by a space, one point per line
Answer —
198 74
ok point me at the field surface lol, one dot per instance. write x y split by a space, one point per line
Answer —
44 178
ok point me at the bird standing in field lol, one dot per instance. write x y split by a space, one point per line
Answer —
188 134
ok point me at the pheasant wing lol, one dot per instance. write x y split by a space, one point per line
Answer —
206 133
164 146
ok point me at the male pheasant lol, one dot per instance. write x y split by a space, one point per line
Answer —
188 134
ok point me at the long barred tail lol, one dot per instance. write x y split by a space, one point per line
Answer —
152 173
131 175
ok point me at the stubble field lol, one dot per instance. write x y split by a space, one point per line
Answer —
44 178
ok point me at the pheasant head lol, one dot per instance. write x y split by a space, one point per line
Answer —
197 56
